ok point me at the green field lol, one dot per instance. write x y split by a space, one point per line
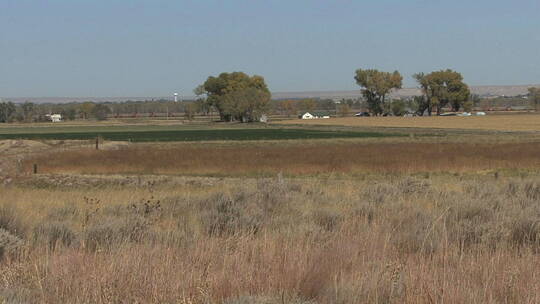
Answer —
192 135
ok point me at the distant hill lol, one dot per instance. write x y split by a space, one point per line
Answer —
483 91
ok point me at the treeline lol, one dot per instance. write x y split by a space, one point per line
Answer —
440 89
33 112
239 97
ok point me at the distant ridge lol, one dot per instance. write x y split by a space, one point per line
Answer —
506 90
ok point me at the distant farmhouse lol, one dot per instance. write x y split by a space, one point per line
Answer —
315 115
54 117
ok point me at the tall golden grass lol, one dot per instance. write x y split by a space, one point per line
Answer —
525 122
295 159
395 240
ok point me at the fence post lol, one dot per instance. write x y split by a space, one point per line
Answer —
35 168
97 143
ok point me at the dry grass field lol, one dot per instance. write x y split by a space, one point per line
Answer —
391 240
525 122
371 220
294 159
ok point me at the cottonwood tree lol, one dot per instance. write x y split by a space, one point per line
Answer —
307 105
292 107
423 102
288 107
534 97
7 109
246 105
398 107
86 109
376 85
189 111
27 111
343 109
69 114
418 104
202 104
442 88
237 96
101 111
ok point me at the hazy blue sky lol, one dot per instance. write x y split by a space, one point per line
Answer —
153 47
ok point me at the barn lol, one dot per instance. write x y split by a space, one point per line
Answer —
315 115
307 115
54 117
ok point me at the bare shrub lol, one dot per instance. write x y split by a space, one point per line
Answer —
266 300
469 222
245 210
414 231
366 210
17 296
9 243
410 185
109 227
102 235
69 211
10 221
512 189
111 233
480 190
54 234
532 191
229 214
380 192
327 219
114 232
273 192
525 231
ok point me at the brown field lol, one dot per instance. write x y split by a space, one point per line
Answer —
294 159
400 240
526 122
389 220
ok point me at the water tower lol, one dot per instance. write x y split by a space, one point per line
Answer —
175 97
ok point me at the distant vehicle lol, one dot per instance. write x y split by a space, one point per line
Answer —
362 114
448 114
480 114
464 114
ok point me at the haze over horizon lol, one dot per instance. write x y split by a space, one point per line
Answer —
153 48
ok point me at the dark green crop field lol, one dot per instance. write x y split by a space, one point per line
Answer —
199 135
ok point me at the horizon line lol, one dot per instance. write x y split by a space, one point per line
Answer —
127 98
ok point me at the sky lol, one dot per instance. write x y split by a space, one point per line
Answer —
117 48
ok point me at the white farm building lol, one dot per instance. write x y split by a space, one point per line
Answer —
307 115
317 115
54 117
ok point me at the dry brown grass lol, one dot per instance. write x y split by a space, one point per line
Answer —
528 122
400 240
297 159
377 238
